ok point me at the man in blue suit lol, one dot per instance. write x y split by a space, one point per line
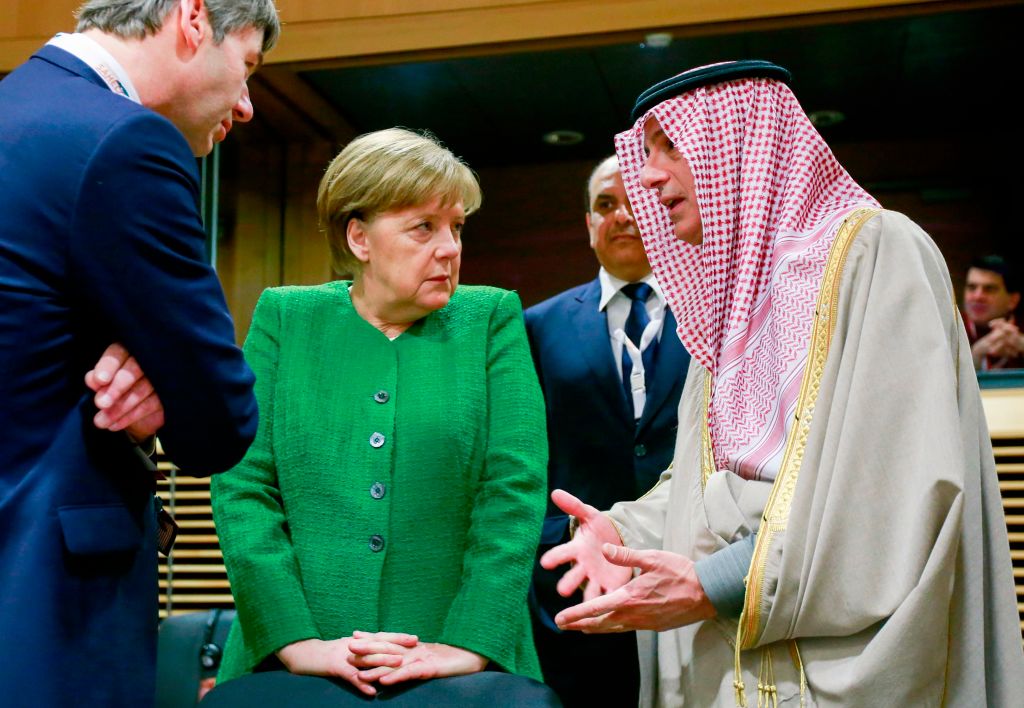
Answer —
101 241
612 371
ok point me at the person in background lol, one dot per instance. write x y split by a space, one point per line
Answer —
610 433
382 527
831 531
101 242
991 297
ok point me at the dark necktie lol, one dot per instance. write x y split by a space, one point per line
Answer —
635 325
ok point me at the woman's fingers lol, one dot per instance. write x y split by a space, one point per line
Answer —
371 661
365 647
406 640
375 674
416 670
360 684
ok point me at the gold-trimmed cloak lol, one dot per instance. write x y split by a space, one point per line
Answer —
889 582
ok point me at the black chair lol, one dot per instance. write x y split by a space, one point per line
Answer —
280 689
189 650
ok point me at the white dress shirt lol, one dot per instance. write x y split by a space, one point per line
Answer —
617 307
100 61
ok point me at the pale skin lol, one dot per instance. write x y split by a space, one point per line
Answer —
665 592
1004 340
409 267
409 263
183 74
988 303
614 235
199 85
385 658
667 172
124 396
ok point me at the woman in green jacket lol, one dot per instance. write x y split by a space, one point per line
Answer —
382 527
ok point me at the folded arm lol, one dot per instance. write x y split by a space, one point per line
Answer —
154 293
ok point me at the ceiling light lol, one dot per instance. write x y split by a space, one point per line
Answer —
563 137
657 40
824 119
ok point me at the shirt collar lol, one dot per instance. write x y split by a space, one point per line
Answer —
610 285
99 60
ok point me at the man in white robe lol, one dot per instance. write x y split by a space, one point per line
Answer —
856 495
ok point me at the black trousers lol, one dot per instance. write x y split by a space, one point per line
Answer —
589 670
487 689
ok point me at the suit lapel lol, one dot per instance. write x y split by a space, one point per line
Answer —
591 327
669 369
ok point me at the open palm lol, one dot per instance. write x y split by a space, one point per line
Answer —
585 551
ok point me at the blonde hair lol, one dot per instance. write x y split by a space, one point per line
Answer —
386 170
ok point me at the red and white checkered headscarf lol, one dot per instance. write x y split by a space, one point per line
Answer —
772 198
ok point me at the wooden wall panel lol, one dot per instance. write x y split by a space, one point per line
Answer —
317 30
269 233
530 234
249 249
306 255
332 30
27 24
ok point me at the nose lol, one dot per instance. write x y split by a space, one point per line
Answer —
243 110
652 176
449 245
623 215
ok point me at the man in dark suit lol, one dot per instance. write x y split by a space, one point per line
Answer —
612 371
101 241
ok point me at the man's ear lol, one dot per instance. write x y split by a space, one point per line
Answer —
355 233
1014 301
193 23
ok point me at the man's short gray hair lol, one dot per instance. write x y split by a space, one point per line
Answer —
134 19
587 196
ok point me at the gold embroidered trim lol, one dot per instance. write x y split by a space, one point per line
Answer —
776 513
661 480
781 499
798 663
574 522
707 457
959 324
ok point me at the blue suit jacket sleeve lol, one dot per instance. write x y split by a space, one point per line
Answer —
556 524
137 247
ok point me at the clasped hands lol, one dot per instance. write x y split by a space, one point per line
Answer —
385 658
1003 340
665 594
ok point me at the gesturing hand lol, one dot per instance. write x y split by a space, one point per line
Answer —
348 657
585 550
124 395
424 661
667 594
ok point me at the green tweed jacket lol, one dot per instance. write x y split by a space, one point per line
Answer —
393 485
